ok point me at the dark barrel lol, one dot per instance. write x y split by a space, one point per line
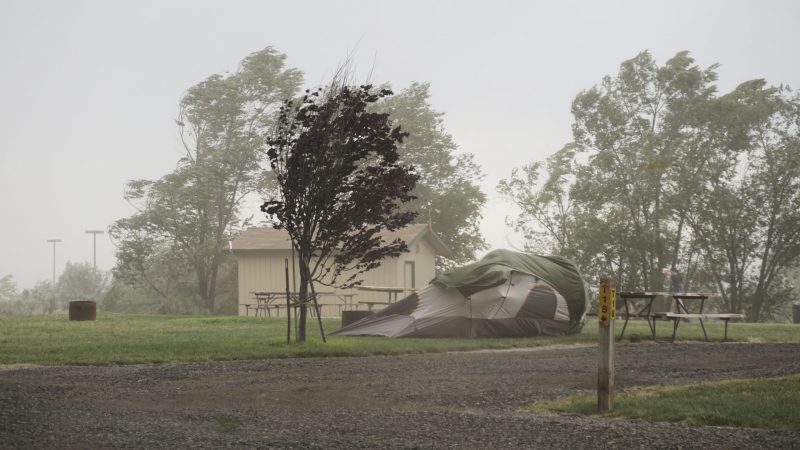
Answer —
82 310
796 311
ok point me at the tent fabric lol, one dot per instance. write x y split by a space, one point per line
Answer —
496 267
504 294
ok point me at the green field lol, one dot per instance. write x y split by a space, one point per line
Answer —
128 339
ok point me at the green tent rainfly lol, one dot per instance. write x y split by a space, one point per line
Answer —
504 294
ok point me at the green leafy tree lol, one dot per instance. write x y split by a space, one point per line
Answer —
746 220
36 300
186 218
630 128
9 295
602 199
663 171
151 266
447 193
81 281
8 289
546 216
340 183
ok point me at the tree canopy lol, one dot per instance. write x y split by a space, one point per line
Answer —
662 170
447 193
174 245
340 183
173 248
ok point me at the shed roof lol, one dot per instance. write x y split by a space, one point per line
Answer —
266 238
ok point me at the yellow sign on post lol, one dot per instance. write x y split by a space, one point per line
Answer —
613 303
607 312
607 309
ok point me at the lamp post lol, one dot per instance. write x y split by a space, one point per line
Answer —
53 304
94 234
54 241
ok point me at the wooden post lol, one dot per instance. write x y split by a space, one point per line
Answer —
288 305
606 312
319 313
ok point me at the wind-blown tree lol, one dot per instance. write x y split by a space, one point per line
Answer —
661 171
545 218
188 216
631 127
447 192
606 190
747 219
340 183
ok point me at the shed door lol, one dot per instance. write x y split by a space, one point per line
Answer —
409 278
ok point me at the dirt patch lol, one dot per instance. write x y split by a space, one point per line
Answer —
458 400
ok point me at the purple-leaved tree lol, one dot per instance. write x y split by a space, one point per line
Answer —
339 185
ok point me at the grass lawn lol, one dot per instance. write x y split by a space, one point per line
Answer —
127 339
765 403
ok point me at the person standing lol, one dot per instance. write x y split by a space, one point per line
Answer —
676 280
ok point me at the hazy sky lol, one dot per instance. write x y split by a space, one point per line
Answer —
89 89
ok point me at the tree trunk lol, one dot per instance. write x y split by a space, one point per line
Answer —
303 298
212 286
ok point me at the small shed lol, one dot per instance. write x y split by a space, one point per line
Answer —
261 254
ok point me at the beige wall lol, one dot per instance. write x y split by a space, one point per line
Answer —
260 272
264 271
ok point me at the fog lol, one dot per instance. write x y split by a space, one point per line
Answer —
89 90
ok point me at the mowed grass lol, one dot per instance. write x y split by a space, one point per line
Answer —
128 339
764 403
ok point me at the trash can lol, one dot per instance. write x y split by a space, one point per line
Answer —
82 310
796 311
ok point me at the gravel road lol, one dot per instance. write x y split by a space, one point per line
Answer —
455 400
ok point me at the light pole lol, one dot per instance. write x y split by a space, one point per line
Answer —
94 234
53 304
54 241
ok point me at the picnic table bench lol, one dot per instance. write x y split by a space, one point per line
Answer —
677 317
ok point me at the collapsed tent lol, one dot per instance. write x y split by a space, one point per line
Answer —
504 294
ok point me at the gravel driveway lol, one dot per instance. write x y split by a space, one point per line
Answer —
455 400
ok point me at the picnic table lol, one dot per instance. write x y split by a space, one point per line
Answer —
370 304
266 301
645 311
629 300
391 291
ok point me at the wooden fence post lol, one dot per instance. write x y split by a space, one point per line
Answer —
606 312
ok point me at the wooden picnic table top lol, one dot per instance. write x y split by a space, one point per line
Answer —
647 294
381 288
